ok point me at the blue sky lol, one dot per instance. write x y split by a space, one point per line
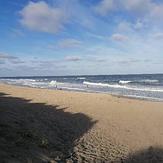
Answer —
72 37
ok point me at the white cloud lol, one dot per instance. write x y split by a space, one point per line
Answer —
96 36
18 61
10 59
140 8
157 13
17 33
158 35
124 27
73 58
144 9
40 16
4 56
137 6
2 62
104 7
119 37
69 43
139 25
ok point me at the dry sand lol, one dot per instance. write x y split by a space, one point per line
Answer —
40 125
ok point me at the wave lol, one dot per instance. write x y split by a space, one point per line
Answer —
81 78
72 88
149 81
144 97
53 83
104 85
149 89
91 85
95 84
19 80
139 81
124 81
25 82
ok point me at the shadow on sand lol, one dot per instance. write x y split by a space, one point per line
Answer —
150 155
36 132
40 133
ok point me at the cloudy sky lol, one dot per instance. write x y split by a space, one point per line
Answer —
71 37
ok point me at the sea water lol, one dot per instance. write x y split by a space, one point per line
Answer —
144 86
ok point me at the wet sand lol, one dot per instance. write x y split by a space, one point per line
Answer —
40 125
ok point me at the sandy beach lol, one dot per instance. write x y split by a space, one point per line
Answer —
41 125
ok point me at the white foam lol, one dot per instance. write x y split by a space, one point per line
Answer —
96 84
124 81
72 88
20 81
81 78
124 87
104 85
150 81
25 80
144 97
36 83
53 83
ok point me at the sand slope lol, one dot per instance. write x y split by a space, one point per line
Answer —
39 125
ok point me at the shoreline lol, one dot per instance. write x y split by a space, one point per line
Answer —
141 98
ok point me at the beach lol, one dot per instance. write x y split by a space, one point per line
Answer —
43 125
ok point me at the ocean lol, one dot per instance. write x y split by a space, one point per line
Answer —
144 86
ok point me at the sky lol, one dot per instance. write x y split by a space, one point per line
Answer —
80 37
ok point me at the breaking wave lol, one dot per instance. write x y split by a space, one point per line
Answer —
81 78
53 83
124 81
142 86
149 81
149 89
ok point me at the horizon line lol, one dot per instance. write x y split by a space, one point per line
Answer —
78 75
